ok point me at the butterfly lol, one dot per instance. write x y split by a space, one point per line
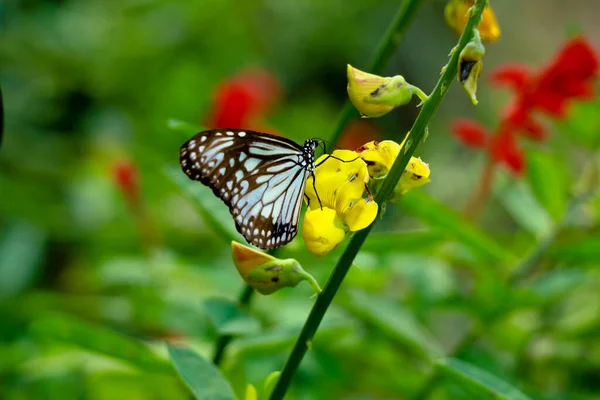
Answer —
260 177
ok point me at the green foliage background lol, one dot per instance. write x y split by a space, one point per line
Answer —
86 306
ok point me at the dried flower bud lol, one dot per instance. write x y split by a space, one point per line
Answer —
470 65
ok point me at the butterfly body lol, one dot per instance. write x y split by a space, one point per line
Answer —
260 177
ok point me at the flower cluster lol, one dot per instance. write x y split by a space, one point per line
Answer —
243 100
571 75
457 15
335 201
338 197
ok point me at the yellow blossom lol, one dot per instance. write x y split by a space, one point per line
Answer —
267 274
340 187
380 156
456 14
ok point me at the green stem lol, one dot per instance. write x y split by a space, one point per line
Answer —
223 341
343 265
381 57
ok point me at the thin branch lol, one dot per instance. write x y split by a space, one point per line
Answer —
381 57
415 137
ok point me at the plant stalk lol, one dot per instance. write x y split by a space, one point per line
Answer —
390 40
382 55
415 137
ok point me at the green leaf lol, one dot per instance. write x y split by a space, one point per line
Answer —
548 182
583 251
555 285
411 242
229 319
396 322
21 251
212 210
98 339
518 199
440 217
583 124
481 384
204 379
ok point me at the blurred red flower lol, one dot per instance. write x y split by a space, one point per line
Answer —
125 175
570 75
242 100
358 132
502 146
470 133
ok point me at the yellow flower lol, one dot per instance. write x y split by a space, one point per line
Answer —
456 14
374 96
470 65
267 274
380 156
415 175
340 186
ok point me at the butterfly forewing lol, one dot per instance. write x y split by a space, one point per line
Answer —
260 177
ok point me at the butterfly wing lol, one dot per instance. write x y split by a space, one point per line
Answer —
259 176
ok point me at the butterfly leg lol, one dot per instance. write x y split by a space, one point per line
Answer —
369 194
315 189
307 199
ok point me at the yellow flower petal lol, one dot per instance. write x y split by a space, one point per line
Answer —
379 157
415 175
360 215
322 230
332 176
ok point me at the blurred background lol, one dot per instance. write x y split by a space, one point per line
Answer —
97 235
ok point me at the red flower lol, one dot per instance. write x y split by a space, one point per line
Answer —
501 146
471 133
357 132
126 178
241 101
570 75
504 149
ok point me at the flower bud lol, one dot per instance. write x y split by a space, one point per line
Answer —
267 274
470 65
374 96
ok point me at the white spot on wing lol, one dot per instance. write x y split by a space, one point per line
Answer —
251 163
241 134
239 174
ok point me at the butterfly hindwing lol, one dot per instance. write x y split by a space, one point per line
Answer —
260 177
